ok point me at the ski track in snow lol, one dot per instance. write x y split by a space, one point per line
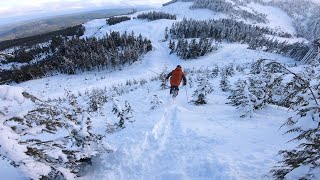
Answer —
167 152
183 141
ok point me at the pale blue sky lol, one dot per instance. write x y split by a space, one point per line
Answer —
15 10
10 8
18 9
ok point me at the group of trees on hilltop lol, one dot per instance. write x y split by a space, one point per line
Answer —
115 20
234 31
151 16
109 52
27 54
304 13
295 50
193 49
231 30
39 47
78 55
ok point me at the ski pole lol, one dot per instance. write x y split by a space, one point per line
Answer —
152 71
186 93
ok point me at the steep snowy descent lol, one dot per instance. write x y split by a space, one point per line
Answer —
177 140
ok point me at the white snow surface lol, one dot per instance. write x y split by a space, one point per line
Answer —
177 140
11 93
278 19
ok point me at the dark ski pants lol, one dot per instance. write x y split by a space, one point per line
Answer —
174 88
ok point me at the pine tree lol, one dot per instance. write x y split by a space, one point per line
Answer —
242 98
163 76
172 46
166 34
204 88
215 71
124 114
155 102
61 155
300 93
224 83
303 97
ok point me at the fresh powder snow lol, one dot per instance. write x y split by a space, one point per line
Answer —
177 140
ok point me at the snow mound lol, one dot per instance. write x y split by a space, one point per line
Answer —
11 93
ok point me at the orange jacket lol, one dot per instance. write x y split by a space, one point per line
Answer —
176 76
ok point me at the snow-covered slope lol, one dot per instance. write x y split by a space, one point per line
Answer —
153 61
182 141
178 140
278 19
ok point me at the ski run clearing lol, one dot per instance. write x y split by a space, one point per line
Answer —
177 140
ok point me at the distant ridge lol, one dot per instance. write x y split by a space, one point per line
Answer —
31 28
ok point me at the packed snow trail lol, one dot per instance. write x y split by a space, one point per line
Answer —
166 152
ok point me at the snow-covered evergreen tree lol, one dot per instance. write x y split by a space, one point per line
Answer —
155 102
125 114
300 93
215 71
224 83
190 81
97 98
67 150
163 76
242 98
302 96
204 88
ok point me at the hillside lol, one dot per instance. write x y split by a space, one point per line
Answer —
36 27
251 75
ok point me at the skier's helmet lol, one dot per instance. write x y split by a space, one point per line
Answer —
178 66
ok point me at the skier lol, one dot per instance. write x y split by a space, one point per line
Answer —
176 77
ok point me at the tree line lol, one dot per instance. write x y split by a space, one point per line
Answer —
234 31
78 55
153 15
304 13
193 49
115 20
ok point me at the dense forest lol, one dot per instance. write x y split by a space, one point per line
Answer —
77 55
234 31
305 13
193 49
116 20
151 16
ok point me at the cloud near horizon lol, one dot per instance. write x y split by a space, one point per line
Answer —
14 8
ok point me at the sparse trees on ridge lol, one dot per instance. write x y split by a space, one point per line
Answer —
232 31
115 20
151 16
78 55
